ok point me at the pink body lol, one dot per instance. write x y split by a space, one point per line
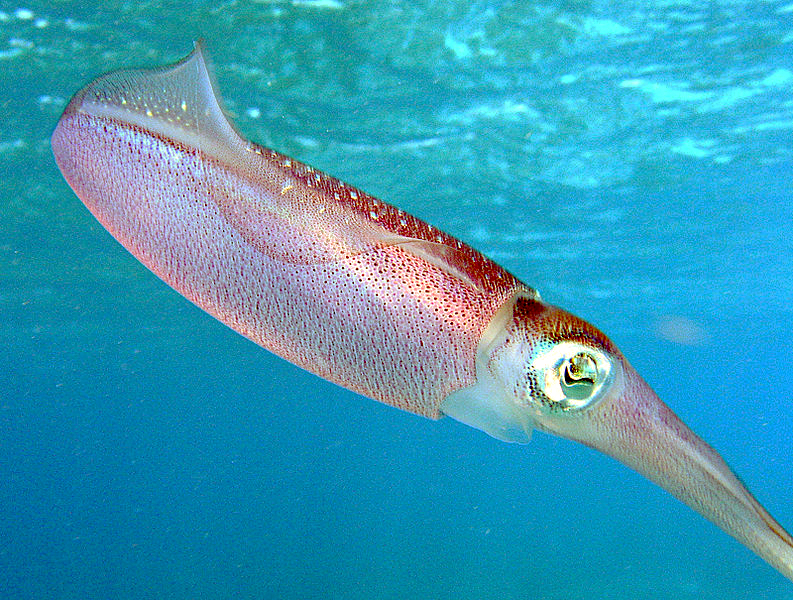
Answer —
322 274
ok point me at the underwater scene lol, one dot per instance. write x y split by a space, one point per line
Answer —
632 161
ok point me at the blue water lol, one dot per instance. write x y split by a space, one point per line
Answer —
633 161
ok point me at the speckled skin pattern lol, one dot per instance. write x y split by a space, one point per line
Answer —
324 275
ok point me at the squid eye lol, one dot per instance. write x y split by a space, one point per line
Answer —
570 376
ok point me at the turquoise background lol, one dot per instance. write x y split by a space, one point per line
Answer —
631 160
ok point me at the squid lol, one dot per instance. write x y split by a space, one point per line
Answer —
364 294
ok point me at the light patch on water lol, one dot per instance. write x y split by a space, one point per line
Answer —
595 27
12 53
480 234
24 14
601 292
17 144
661 93
458 48
508 109
771 125
416 144
20 43
410 145
76 26
331 4
47 100
774 125
694 148
778 78
306 142
728 98
681 330
604 27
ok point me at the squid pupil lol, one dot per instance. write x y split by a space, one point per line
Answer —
580 374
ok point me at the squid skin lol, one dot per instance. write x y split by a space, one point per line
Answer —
366 295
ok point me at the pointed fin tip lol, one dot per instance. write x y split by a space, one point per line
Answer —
178 102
